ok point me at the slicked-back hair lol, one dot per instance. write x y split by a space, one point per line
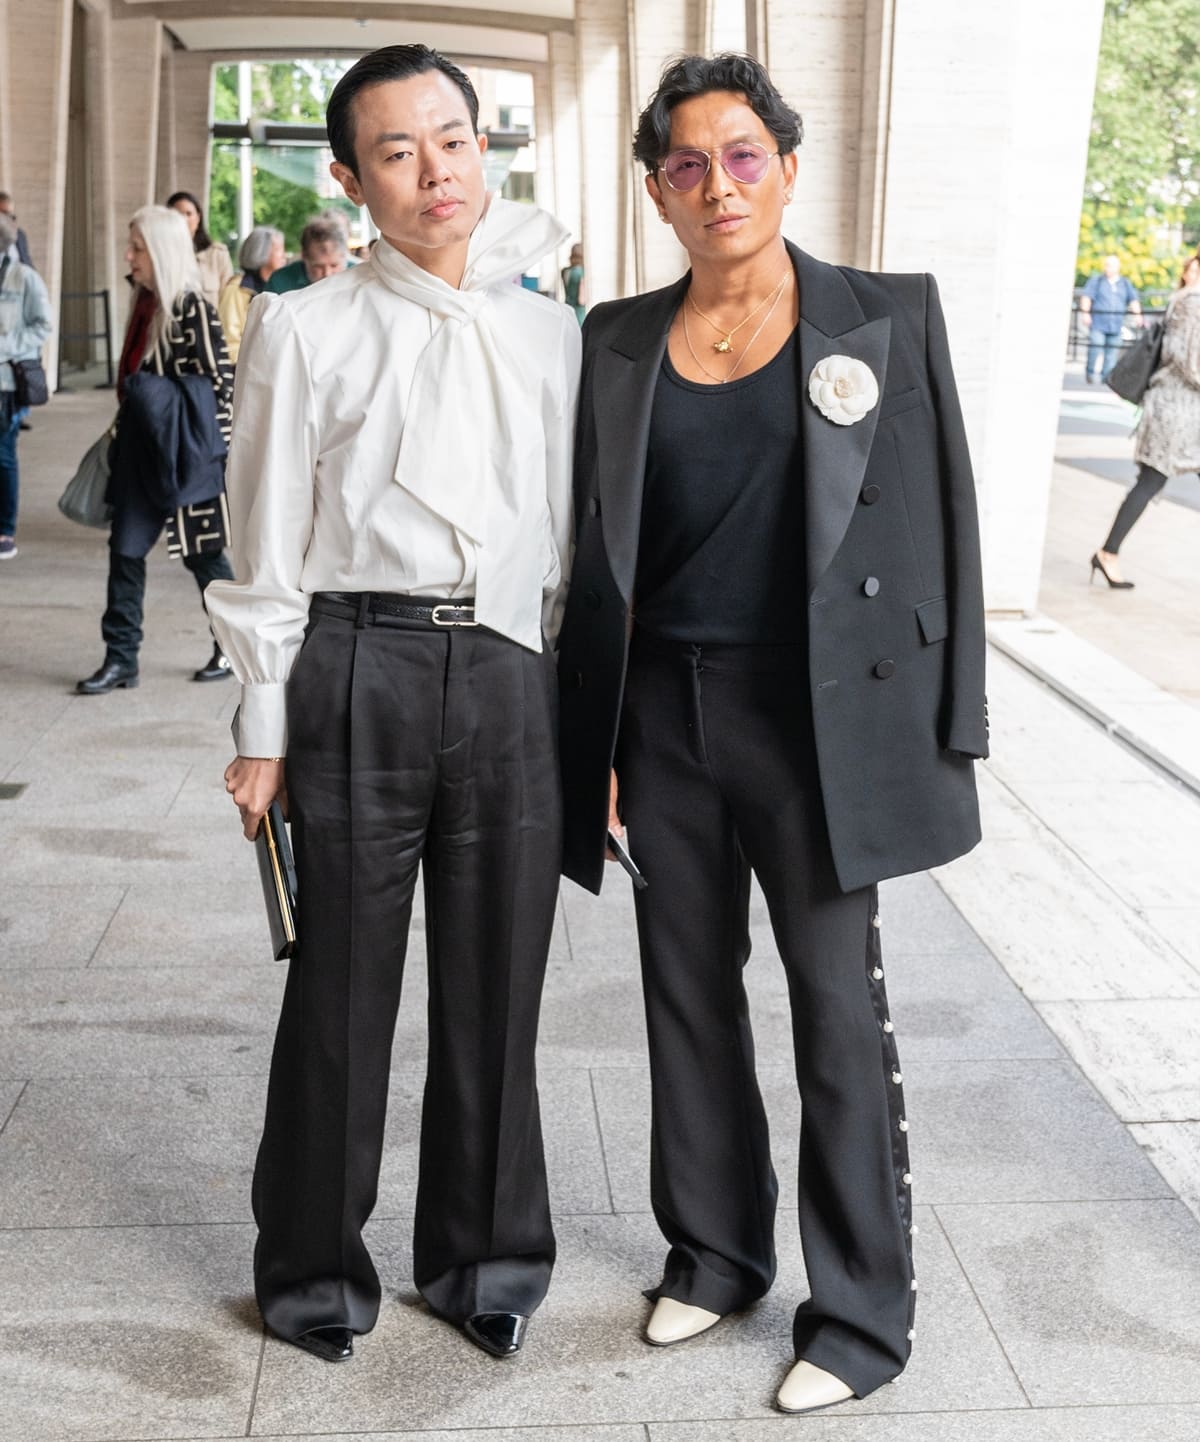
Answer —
693 75
201 240
392 62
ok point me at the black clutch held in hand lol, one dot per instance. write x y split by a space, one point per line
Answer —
278 872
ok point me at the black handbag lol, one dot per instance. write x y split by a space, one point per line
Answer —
30 377
1130 377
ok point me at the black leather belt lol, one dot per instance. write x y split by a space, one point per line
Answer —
406 608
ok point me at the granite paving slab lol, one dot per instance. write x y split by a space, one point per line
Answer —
1078 1424
190 924
10 1092
54 925
1093 1302
1144 1056
1180 927
126 1333
1174 1148
41 844
584 1363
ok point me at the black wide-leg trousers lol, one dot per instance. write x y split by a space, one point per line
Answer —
716 764
412 745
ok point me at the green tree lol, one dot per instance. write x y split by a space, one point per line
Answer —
286 92
1142 175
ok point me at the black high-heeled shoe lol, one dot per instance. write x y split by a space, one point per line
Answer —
1098 565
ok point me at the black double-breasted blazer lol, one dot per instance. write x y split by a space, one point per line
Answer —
890 565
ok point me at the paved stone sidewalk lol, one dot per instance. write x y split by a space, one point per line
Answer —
1058 1267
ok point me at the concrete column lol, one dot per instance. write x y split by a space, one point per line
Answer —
545 176
5 90
135 56
166 181
601 58
192 107
815 52
988 121
37 44
565 162
107 244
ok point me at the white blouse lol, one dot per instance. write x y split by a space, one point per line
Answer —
318 493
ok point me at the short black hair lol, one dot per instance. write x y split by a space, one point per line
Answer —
690 75
392 62
201 240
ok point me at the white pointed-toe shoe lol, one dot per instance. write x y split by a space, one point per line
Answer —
810 1389
673 1321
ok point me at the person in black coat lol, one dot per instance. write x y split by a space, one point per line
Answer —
772 662
167 458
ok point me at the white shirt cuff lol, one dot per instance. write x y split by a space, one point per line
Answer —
262 723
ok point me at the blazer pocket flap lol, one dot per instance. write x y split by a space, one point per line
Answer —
934 619
902 401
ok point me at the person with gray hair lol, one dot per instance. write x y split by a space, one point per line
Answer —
261 255
323 252
24 325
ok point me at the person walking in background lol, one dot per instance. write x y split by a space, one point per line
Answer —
262 254
400 483
172 331
20 244
572 279
25 324
797 693
1167 439
1106 299
323 252
212 258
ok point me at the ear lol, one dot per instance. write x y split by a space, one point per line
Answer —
790 164
482 139
654 191
347 179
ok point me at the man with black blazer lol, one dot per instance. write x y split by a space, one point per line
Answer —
774 648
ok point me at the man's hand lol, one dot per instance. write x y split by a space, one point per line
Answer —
614 821
254 782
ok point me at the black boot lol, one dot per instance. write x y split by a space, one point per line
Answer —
113 675
215 669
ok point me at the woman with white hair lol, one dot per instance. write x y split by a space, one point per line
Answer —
261 256
172 332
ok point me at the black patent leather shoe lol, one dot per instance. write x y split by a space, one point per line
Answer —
500 1333
110 677
216 668
331 1344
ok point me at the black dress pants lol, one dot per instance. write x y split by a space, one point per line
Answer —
717 778
121 624
412 745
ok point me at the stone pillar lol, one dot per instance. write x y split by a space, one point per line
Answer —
545 175
135 57
107 246
601 59
816 56
166 181
37 45
986 148
191 129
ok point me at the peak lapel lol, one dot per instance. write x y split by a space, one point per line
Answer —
626 371
835 457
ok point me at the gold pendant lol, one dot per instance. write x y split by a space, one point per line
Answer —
722 346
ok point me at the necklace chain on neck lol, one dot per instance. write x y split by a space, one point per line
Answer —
725 344
749 346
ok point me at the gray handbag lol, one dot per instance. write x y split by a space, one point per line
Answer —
83 500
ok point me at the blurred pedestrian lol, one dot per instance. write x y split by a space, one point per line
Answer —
20 244
572 279
262 254
323 252
212 258
1167 439
25 323
1106 299
172 331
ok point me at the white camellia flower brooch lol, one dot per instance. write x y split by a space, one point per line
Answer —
843 389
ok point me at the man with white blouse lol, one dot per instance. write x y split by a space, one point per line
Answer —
399 488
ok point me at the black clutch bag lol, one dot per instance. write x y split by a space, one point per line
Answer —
277 870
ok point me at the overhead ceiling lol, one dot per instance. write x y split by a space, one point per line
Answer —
517 31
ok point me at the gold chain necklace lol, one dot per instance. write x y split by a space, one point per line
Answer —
725 344
721 380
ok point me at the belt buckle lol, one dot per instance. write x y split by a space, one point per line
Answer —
437 620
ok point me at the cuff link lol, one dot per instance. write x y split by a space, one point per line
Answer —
913 1285
888 1027
897 1077
907 1179
877 974
875 921
902 1124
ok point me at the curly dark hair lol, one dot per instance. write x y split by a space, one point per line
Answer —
391 62
690 75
